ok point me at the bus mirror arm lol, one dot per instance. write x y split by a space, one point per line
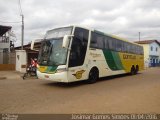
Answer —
66 41
68 49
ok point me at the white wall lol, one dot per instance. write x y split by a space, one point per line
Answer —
21 60
154 54
154 45
146 54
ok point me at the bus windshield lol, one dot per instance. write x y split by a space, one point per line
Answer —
52 53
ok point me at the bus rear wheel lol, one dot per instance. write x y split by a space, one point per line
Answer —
137 69
93 75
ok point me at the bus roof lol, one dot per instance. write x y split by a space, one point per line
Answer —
97 31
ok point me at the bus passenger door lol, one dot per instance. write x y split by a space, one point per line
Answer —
77 68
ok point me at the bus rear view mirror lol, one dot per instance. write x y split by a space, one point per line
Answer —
66 41
33 42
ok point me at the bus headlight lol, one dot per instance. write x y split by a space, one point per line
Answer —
61 70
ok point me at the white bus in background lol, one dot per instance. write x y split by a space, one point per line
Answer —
76 53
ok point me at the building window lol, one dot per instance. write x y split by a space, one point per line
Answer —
151 48
156 49
156 60
150 60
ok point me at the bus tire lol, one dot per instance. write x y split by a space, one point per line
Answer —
93 75
132 70
137 69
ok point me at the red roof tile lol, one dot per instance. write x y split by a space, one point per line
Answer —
147 41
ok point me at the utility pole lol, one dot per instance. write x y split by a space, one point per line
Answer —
139 36
22 34
22 29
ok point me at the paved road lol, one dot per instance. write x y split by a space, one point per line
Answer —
123 94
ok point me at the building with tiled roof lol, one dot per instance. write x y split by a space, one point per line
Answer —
147 42
5 42
151 52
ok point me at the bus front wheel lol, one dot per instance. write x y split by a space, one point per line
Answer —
93 75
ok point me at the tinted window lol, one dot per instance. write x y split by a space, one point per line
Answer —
124 49
114 41
141 50
119 45
97 40
78 47
136 49
106 43
110 43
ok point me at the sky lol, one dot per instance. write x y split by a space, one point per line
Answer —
124 18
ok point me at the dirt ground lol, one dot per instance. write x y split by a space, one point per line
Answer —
123 94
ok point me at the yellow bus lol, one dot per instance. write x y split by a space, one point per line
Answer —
75 53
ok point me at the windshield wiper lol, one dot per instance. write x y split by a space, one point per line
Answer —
53 63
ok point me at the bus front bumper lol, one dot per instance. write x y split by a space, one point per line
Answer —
57 77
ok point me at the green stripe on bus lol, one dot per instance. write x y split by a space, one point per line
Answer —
113 60
117 60
51 68
110 60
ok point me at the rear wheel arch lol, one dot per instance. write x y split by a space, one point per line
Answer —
132 71
93 75
136 69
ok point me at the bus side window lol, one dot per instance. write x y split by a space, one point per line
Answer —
100 41
93 43
114 44
135 49
140 50
106 43
131 48
128 47
110 43
124 47
119 45
97 40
